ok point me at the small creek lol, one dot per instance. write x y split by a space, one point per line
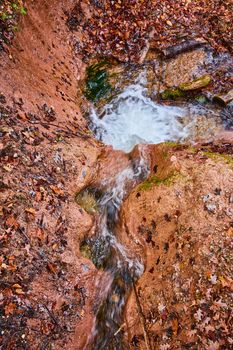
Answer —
131 118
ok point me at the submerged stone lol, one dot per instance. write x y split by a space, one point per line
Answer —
88 200
97 81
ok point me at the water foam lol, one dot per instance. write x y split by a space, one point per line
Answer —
132 118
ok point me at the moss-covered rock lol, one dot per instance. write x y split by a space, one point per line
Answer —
172 94
157 181
97 81
88 200
198 83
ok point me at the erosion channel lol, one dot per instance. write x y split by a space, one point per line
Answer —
129 123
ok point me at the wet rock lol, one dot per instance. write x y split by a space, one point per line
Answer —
198 83
184 68
88 200
224 99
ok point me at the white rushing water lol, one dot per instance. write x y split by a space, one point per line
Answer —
132 118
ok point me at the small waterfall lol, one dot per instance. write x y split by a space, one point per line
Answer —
133 118
121 266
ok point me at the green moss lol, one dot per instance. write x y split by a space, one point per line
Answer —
171 143
4 16
172 94
219 156
23 11
196 84
85 249
97 81
156 181
192 150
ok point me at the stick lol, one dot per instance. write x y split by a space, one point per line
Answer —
142 319
118 331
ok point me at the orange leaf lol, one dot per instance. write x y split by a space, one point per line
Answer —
30 211
12 222
175 326
9 309
57 190
52 267
226 282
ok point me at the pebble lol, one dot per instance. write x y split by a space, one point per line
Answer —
211 207
207 197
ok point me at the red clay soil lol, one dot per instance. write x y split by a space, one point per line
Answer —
180 222
181 228
40 68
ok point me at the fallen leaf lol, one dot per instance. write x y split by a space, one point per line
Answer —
19 291
226 282
12 222
30 211
8 168
9 309
230 232
52 268
175 326
57 190
82 313
41 234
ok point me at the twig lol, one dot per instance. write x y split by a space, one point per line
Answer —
121 327
142 319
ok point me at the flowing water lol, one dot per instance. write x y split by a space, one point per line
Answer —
131 118
122 268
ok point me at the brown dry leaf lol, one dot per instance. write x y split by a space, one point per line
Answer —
82 313
52 268
230 232
9 309
19 291
226 282
30 211
57 190
40 234
8 168
38 196
12 222
175 326
18 288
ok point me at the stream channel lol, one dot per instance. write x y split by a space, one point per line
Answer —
131 119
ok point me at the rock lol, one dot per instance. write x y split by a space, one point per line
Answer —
184 67
224 99
196 84
210 207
